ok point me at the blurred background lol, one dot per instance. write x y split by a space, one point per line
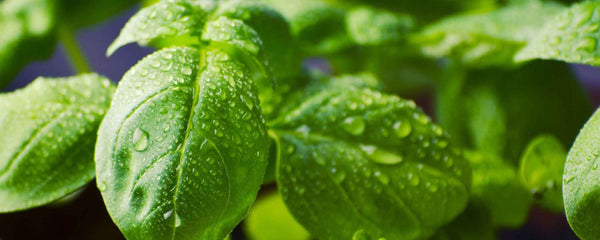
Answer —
85 216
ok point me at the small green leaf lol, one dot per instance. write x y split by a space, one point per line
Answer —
497 186
369 26
167 23
499 111
269 219
355 160
580 181
475 223
572 36
541 171
47 138
318 26
486 39
183 149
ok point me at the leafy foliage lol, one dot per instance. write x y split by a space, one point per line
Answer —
48 141
227 104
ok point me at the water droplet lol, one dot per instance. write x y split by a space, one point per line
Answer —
339 176
402 128
413 179
354 125
291 149
431 187
186 71
140 140
361 235
382 177
177 220
167 214
384 157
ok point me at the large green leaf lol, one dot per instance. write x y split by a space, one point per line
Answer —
499 111
27 28
486 39
497 186
269 219
355 160
183 149
571 36
541 171
47 138
581 189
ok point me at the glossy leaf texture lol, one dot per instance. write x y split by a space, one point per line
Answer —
182 151
498 188
27 28
486 39
269 219
513 106
167 23
192 23
572 36
356 161
369 26
541 171
580 181
47 138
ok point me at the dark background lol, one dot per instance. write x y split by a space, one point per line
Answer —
86 218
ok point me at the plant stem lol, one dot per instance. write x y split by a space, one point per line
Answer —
78 59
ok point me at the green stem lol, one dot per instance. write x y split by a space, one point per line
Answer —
78 60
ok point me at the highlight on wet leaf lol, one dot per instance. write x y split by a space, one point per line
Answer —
346 153
48 131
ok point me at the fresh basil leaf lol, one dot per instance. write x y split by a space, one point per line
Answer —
167 23
269 219
27 28
318 26
473 224
274 31
580 181
499 111
572 36
357 161
497 186
486 39
369 26
541 171
47 138
183 149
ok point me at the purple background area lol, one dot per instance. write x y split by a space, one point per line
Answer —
86 218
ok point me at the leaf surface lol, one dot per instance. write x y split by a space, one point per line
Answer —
47 138
183 149
541 171
346 153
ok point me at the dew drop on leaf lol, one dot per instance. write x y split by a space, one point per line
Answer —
339 176
140 140
402 128
382 177
413 179
354 125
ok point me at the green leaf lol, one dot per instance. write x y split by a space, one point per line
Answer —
167 23
318 26
27 28
269 219
541 171
355 160
497 186
486 39
580 181
183 149
499 111
473 224
47 138
369 26
572 36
